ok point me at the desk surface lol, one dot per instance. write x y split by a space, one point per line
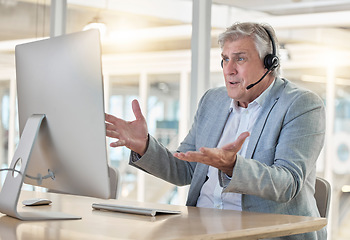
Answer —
192 223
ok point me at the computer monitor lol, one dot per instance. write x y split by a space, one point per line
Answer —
61 111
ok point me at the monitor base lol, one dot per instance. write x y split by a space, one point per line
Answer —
39 216
11 189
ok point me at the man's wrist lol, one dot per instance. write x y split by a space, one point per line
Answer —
145 147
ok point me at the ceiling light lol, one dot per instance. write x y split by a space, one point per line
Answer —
96 23
345 189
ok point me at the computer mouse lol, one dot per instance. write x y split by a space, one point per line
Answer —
36 202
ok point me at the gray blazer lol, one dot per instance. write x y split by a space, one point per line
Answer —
279 171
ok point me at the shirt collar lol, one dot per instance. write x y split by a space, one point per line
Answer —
260 100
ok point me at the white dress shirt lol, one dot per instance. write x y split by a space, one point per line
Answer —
240 120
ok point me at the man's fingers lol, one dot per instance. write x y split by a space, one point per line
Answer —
110 127
137 110
110 118
192 156
237 145
209 152
242 138
112 134
118 143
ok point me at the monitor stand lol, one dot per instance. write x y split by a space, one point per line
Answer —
11 189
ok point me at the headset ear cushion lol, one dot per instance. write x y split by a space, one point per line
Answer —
271 61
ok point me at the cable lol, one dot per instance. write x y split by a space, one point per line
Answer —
39 178
11 169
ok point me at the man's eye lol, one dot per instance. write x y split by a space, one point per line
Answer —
240 59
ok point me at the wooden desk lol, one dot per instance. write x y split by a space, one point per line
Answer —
192 223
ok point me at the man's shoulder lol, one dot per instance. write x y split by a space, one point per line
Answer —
292 91
217 92
215 98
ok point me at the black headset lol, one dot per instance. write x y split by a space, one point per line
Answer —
271 61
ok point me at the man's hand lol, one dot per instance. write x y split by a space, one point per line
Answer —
131 134
223 158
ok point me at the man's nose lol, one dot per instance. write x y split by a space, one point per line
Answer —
230 67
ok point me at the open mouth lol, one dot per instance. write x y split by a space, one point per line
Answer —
233 82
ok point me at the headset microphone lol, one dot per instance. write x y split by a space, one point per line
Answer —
253 84
271 61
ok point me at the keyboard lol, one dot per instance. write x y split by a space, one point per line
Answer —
131 209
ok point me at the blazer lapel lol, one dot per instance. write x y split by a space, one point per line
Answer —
271 101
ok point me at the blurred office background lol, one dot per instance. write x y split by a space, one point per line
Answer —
165 53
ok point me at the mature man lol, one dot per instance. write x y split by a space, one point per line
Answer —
253 144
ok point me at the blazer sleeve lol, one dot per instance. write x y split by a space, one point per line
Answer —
160 162
285 154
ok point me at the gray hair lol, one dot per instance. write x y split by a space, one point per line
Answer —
256 31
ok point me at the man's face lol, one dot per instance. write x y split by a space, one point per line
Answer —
242 67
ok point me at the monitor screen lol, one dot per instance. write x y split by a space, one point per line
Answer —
61 77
